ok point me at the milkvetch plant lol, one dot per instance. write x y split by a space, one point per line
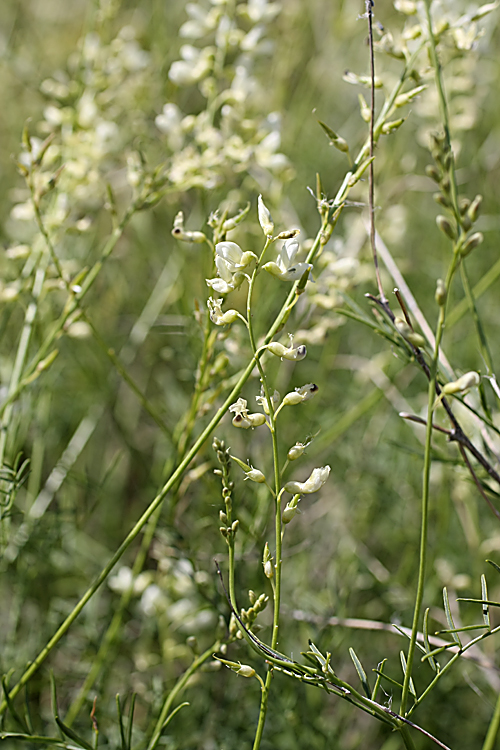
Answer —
137 325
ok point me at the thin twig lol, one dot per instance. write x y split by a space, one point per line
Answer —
369 15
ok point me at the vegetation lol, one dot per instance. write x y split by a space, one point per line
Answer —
249 410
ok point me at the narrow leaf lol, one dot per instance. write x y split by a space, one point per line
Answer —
484 597
497 567
433 663
462 629
73 735
379 672
449 617
400 630
389 679
403 665
479 601
361 672
120 722
17 718
131 719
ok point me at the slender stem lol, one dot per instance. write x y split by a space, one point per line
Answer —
426 487
371 188
489 741
278 522
112 632
177 690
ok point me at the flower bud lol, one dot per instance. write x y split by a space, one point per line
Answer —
364 108
255 476
267 562
408 333
257 419
409 96
474 208
296 451
335 140
390 127
432 172
445 226
291 509
441 294
469 380
245 670
463 205
288 234
265 219
470 243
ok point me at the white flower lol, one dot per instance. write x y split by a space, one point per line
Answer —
242 418
232 256
265 219
227 281
304 393
313 484
216 314
192 68
285 268
294 353
262 400
230 260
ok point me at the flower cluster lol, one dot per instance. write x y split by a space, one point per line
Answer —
225 138
230 261
104 84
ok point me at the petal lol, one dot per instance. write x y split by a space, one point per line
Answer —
290 249
231 252
219 285
223 269
294 273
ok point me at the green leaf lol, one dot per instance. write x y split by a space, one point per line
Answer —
497 567
433 663
361 673
403 665
449 618
379 672
17 717
120 722
73 735
131 719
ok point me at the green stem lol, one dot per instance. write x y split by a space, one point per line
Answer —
277 486
70 308
426 487
177 690
489 742
114 627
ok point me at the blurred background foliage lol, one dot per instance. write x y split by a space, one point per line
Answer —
353 551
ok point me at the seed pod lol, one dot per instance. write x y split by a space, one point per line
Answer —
408 333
